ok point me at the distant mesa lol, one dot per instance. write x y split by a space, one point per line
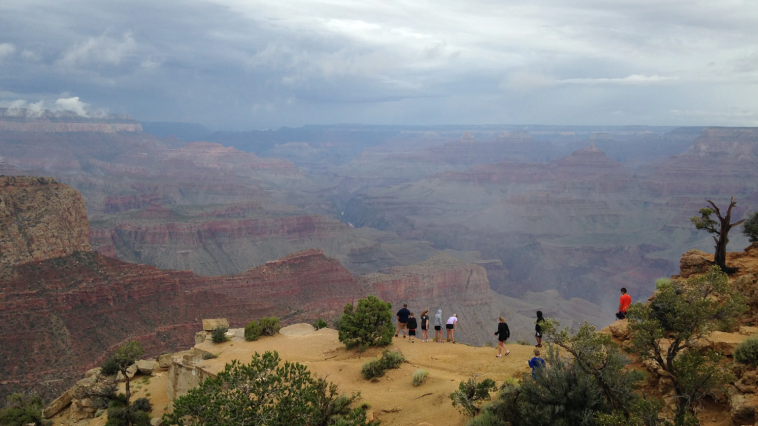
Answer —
600 137
516 134
468 137
24 120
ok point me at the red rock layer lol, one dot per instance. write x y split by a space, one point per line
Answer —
60 317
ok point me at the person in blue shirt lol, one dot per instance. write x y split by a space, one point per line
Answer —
536 363
402 320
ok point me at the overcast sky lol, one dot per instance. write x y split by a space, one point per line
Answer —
247 64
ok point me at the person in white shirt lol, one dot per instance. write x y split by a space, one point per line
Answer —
451 323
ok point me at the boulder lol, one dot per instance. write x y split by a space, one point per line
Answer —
59 404
694 262
164 360
742 409
748 331
146 366
620 329
130 372
210 324
93 372
200 337
725 342
156 421
665 385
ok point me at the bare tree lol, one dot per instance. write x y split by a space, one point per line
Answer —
720 228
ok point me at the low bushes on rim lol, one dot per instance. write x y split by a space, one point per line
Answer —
266 326
377 367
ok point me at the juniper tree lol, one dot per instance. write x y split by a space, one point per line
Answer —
264 392
670 329
368 324
721 228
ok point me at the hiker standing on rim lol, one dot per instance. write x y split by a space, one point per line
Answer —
502 333
624 301
451 323
538 329
402 319
438 326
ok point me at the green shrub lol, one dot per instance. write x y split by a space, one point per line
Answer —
22 410
470 393
750 227
319 324
368 324
142 404
747 352
264 327
122 416
253 331
377 367
209 355
269 326
109 367
419 377
286 394
218 335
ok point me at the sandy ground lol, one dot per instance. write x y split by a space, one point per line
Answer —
393 398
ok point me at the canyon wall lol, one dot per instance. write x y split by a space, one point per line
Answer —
40 219
65 307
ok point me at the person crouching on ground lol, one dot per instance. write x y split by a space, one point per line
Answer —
425 326
451 323
624 301
538 329
536 363
402 319
438 326
412 325
502 333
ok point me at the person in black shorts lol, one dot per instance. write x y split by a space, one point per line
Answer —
502 333
412 325
538 329
402 320
425 326
438 326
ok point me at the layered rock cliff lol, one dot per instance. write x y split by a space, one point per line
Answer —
63 307
40 219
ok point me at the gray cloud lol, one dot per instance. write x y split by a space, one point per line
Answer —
259 64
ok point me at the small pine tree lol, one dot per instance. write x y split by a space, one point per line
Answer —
750 227
319 324
269 325
218 335
368 324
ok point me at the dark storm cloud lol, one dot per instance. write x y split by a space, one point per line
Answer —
247 64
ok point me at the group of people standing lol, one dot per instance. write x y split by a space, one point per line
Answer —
406 320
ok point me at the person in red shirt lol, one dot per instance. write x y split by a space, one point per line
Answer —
624 303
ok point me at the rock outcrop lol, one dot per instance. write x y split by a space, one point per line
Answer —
40 219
